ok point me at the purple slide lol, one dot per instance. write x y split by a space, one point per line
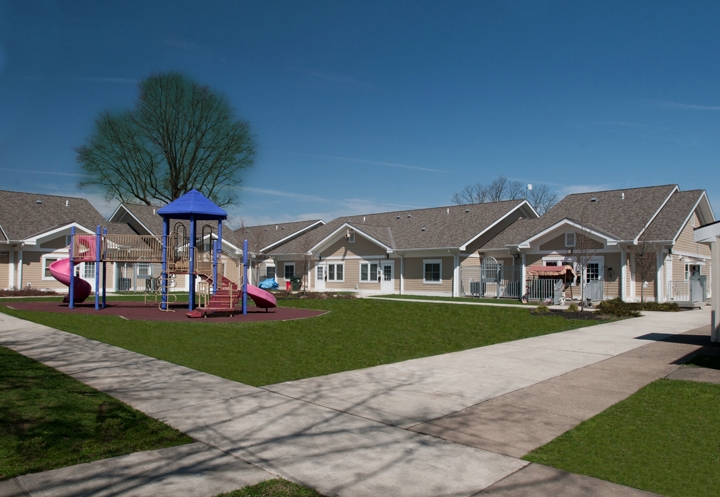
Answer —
261 298
60 270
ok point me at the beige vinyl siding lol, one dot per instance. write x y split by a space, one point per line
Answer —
33 270
612 285
4 268
360 247
557 243
351 275
533 260
374 285
470 261
678 268
55 243
686 241
414 270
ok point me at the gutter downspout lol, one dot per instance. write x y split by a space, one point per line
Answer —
20 266
623 274
523 277
402 274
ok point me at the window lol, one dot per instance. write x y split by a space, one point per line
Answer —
593 272
432 271
368 272
351 237
335 272
144 269
89 270
270 272
46 267
569 239
289 270
691 270
551 263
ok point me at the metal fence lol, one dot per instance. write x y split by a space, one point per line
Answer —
545 290
692 290
500 282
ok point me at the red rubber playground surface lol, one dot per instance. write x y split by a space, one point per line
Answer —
139 311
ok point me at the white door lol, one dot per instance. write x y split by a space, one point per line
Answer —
320 278
387 284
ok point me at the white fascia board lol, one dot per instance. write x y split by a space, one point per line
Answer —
7 238
652 218
521 204
707 233
687 220
34 240
567 222
292 235
331 237
149 231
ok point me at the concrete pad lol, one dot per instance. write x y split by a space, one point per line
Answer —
610 378
499 426
564 400
340 454
188 470
536 480
704 375
11 488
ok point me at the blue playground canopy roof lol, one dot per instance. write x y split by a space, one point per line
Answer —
193 203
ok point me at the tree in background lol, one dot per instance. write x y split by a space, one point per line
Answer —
541 197
643 264
180 135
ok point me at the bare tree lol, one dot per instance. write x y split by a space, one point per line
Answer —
643 264
180 135
542 198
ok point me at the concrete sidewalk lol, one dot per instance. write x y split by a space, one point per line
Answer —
347 434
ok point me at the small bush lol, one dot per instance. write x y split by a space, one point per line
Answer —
573 308
27 292
617 307
286 295
541 309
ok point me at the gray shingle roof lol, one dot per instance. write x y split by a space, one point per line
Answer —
24 215
667 225
444 227
265 235
622 214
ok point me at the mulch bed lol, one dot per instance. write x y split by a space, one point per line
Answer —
139 311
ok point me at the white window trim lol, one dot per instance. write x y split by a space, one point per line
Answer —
574 239
46 257
84 268
327 272
351 237
370 281
285 264
431 261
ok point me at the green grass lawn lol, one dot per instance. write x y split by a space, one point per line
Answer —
273 488
49 420
474 300
664 439
355 334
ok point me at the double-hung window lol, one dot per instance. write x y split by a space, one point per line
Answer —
368 272
289 270
336 272
46 267
89 271
432 271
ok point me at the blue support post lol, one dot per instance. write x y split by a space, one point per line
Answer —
215 265
98 242
244 288
71 265
191 297
163 266
104 275
218 249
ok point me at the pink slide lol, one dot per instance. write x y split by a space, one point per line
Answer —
61 271
261 298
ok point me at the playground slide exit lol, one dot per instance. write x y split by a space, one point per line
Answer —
262 299
60 270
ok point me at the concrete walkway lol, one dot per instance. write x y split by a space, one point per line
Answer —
450 425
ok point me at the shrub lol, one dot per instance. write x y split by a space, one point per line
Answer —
573 307
541 309
617 307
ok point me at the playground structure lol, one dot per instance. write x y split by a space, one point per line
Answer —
176 252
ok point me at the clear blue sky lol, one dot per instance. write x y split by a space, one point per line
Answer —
363 106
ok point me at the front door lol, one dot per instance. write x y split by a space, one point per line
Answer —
320 278
387 284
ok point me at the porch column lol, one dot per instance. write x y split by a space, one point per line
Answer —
402 274
11 268
456 275
623 274
523 277
20 268
715 286
659 280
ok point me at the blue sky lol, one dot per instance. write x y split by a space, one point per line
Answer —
363 106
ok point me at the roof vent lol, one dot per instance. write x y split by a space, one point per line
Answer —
38 201
363 219
622 196
593 199
408 215
66 203
423 229
448 210
282 228
153 211
467 210
276 227
397 217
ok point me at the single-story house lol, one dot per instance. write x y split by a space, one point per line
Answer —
417 251
630 243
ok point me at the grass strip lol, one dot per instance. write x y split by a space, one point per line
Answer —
273 488
664 439
355 334
50 420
